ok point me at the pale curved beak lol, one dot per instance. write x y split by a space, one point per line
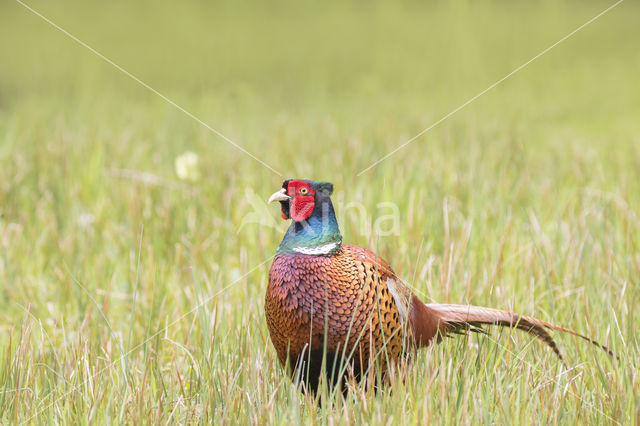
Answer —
279 196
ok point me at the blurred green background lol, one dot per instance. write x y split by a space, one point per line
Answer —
526 199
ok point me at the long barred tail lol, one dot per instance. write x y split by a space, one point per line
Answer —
459 319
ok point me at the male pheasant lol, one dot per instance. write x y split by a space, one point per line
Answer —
341 308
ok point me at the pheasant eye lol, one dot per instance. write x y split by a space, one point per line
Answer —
303 191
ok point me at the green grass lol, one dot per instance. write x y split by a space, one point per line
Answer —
136 298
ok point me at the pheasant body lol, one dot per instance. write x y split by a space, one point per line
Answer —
329 303
343 299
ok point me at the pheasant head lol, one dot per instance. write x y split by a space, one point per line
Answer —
314 229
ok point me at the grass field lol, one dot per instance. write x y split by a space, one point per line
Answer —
129 295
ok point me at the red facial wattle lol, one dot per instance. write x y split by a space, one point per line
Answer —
301 208
302 200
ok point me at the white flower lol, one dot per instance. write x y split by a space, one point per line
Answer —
85 220
235 275
187 166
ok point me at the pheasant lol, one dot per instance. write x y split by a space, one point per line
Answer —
340 309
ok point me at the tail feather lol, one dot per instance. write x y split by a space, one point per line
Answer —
459 319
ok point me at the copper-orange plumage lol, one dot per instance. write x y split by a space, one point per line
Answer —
342 304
